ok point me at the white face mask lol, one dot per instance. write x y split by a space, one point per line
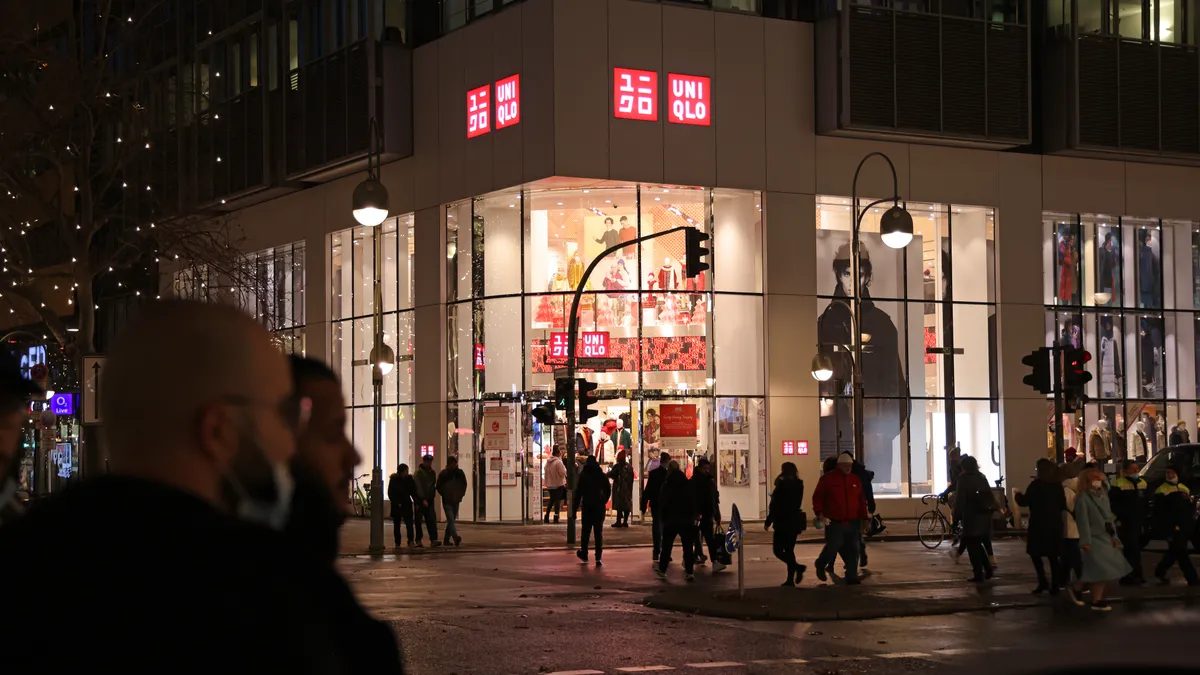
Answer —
274 513
1173 481
1096 484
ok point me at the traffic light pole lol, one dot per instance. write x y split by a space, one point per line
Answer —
1056 365
572 337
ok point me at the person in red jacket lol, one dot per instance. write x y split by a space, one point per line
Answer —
840 503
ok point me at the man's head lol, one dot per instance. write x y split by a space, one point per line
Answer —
1172 474
829 465
845 462
703 466
969 464
664 458
427 461
672 466
556 451
452 462
1130 467
788 470
608 222
402 470
225 416
624 220
15 394
323 448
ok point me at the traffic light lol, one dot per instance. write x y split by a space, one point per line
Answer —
544 413
563 388
1039 377
1075 377
695 252
587 398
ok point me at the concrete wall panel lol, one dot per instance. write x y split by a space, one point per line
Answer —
582 89
1159 191
635 40
537 98
790 114
1083 185
426 123
953 175
452 116
838 158
479 56
739 102
689 48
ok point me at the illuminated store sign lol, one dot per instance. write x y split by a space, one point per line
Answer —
506 108
591 344
479 111
635 94
688 99
508 101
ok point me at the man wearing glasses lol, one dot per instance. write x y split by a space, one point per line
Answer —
176 557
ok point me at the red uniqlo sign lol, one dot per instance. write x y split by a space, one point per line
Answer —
789 447
635 94
480 360
479 111
689 99
508 101
589 345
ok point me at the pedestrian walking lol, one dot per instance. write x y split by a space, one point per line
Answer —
401 491
1072 560
206 478
15 394
426 481
651 497
1047 506
1173 509
839 501
974 506
1128 499
452 486
677 502
591 493
622 489
865 476
786 514
554 478
1098 542
708 508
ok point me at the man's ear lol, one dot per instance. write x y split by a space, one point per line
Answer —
218 433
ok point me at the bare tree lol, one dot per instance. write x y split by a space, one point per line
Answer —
89 175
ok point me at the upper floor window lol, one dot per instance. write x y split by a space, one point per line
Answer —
1170 21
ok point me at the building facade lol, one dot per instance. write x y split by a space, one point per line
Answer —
545 131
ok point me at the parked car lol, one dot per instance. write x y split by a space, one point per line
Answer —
1187 459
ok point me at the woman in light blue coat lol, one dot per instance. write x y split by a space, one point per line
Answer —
1103 561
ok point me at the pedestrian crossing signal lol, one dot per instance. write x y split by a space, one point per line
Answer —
564 387
544 413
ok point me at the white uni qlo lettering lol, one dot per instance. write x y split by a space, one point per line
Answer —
626 102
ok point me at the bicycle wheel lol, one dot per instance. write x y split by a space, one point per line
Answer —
360 505
931 529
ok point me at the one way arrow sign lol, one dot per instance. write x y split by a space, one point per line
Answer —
93 373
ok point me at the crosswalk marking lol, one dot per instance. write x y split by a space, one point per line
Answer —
714 664
772 662
904 655
644 669
838 659
578 672
952 652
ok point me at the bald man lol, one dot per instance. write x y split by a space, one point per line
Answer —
15 395
175 557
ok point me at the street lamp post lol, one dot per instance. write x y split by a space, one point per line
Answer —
370 209
896 230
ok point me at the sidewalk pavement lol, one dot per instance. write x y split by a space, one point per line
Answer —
487 537
905 579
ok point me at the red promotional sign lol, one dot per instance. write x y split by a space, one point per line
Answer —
479 111
789 447
635 94
591 344
480 362
426 451
689 99
678 420
508 101
801 447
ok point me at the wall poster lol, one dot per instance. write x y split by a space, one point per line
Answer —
733 459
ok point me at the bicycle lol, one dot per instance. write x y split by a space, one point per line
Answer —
360 498
933 526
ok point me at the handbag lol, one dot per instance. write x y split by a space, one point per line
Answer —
803 521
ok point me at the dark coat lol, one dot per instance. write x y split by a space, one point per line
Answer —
240 598
708 500
622 486
452 485
1046 502
592 492
426 481
401 492
787 505
1127 496
865 476
314 524
677 501
654 484
974 504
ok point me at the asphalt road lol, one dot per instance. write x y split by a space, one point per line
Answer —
543 612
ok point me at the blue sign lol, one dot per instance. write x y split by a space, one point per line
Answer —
63 404
733 537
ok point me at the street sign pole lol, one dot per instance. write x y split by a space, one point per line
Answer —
572 338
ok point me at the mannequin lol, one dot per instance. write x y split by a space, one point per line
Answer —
604 447
668 276
1137 442
1160 434
1110 359
1119 448
1099 445
1109 265
1050 449
574 266
624 438
1066 267
1148 273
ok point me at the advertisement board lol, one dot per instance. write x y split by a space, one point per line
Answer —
678 426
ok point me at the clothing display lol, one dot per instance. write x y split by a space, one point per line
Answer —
574 271
1110 367
668 276
1099 445
1148 274
1138 447
611 237
1107 280
1066 268
627 233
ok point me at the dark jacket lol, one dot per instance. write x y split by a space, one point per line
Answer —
654 484
1176 438
787 503
622 486
452 485
866 476
401 492
426 481
1046 502
241 599
708 499
974 504
839 497
1173 511
1127 496
592 491
677 501
314 524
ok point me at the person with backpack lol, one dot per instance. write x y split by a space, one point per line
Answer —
591 500
677 502
974 507
786 513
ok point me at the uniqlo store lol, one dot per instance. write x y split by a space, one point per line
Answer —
690 380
